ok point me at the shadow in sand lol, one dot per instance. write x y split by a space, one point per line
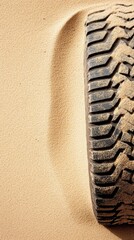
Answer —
69 162
124 232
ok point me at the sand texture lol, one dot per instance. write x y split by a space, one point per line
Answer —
44 183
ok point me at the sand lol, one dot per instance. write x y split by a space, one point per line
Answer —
44 185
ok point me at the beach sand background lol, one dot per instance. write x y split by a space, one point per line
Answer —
44 185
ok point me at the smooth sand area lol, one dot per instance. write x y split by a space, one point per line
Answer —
44 184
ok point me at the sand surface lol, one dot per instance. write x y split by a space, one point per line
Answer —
44 186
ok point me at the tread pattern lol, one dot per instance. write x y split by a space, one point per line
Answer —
110 94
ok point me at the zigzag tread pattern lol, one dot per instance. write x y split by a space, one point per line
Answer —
110 94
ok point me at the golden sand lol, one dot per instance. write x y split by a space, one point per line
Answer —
43 158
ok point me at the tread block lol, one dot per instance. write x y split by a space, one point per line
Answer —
104 156
101 95
92 27
103 107
102 131
96 37
97 168
107 142
102 72
98 61
97 118
98 84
